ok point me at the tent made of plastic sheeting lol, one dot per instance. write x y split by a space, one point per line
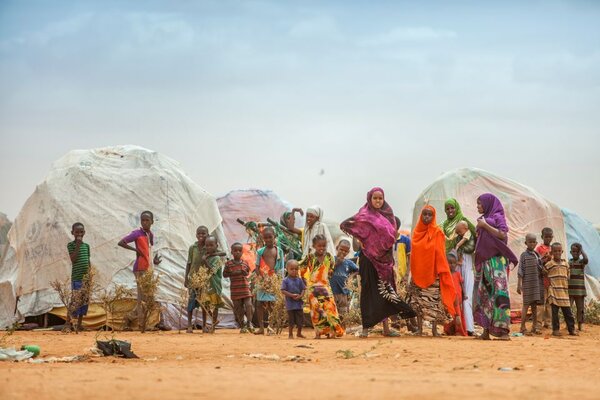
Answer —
249 205
106 189
5 225
581 231
526 210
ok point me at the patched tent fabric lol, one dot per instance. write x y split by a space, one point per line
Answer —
581 231
249 205
105 189
526 210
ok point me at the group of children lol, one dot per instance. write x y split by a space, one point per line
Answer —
546 281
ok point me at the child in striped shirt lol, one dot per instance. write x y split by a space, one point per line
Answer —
237 270
557 271
577 291
79 253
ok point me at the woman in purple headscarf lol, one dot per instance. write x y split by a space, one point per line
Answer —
375 226
492 258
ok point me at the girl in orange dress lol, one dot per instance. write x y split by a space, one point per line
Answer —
317 268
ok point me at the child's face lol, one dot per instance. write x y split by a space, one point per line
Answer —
530 243
146 221
426 216
450 211
342 250
377 200
201 235
236 252
547 238
292 270
78 232
320 247
211 245
556 252
311 219
452 263
268 238
575 252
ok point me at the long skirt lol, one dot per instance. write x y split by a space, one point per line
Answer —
427 302
468 284
323 311
492 302
378 299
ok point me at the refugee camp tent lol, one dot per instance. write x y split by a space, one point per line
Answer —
526 210
249 205
105 189
5 225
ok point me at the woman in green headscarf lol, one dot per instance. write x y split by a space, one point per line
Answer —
454 216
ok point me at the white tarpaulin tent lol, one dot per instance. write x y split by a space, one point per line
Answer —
105 189
526 210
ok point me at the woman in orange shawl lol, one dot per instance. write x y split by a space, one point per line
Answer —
431 288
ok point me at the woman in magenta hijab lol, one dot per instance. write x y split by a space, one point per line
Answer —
375 227
491 301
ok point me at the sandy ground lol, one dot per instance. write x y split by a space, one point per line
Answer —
179 366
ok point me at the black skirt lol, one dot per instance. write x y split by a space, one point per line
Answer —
378 299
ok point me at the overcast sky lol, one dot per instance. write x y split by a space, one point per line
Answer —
265 94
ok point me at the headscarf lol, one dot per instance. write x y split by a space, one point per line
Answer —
428 259
376 229
488 245
449 225
318 228
284 218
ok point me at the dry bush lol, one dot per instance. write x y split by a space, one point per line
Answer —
278 313
148 286
109 300
592 313
182 304
73 299
200 282
353 316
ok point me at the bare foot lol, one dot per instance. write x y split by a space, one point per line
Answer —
504 337
260 331
189 330
290 336
299 335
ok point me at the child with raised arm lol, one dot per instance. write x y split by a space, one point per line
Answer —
557 271
237 270
577 291
212 300
79 253
543 251
530 283
269 261
144 240
196 258
293 288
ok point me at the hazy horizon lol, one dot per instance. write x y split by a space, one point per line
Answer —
263 94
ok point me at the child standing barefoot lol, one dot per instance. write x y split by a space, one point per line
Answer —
543 251
293 288
557 271
318 268
577 291
196 257
79 252
212 299
530 283
237 270
269 261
